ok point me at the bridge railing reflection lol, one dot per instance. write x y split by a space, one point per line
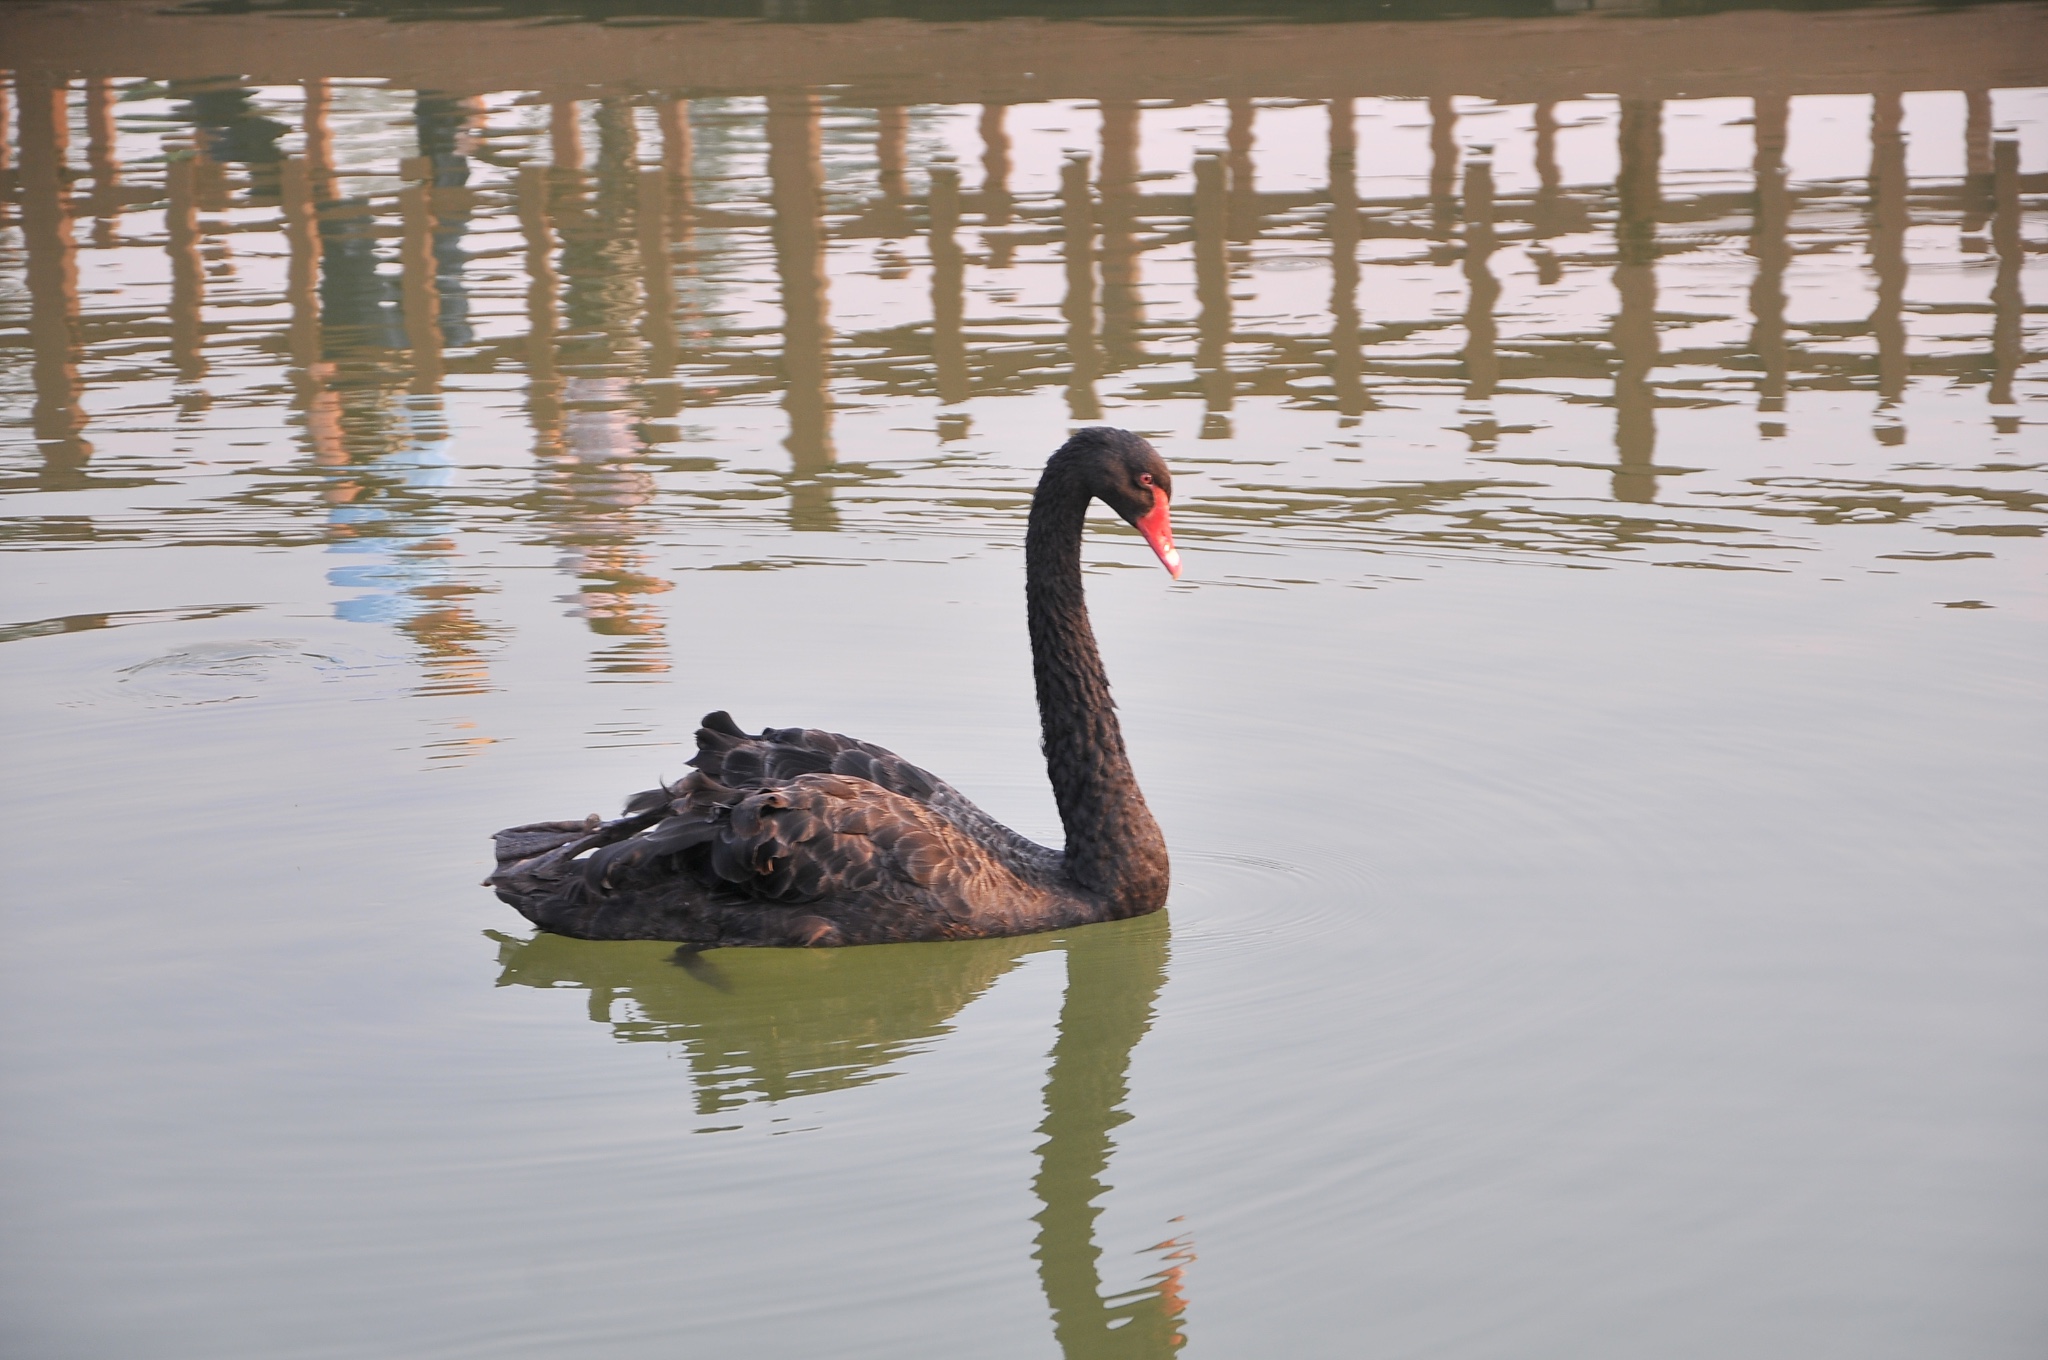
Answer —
617 341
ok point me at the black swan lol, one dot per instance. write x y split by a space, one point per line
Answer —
802 837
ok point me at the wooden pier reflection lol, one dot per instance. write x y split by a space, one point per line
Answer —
611 212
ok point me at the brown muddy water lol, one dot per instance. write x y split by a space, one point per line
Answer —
1600 730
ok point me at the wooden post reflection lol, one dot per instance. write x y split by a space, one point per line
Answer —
1346 354
1635 279
181 222
677 162
56 335
1977 172
1113 984
543 385
996 204
1123 309
2007 305
1888 255
892 152
1443 165
8 92
318 404
1546 218
104 156
319 141
302 276
565 135
1244 199
796 174
1212 293
657 279
949 347
1077 221
421 298
1767 242
1482 358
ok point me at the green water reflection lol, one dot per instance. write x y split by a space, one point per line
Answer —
782 1024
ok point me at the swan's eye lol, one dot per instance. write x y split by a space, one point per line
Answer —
1144 479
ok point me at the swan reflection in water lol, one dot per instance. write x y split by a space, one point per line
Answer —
778 1024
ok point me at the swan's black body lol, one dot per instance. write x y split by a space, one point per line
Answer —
802 837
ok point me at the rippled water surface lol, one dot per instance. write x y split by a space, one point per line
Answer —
1600 730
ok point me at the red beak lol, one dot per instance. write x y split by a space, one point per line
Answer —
1158 531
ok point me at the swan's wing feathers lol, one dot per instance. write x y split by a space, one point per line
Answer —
814 838
779 754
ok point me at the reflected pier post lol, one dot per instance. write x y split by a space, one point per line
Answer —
422 301
1482 357
1443 166
995 181
1977 171
1212 294
188 279
319 407
1888 260
2008 306
1635 279
1767 242
103 156
543 285
1077 218
1547 215
56 333
796 174
10 91
1244 197
892 167
1346 352
1123 309
658 286
949 347
678 155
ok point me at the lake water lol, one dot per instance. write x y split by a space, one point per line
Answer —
1600 730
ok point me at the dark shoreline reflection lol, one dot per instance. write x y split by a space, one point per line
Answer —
780 1025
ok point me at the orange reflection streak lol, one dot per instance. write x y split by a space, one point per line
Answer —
103 156
56 336
421 297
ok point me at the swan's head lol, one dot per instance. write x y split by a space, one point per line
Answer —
1127 474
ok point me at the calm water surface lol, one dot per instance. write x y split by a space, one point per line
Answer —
1600 731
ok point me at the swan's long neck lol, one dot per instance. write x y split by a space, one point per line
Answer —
1114 849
